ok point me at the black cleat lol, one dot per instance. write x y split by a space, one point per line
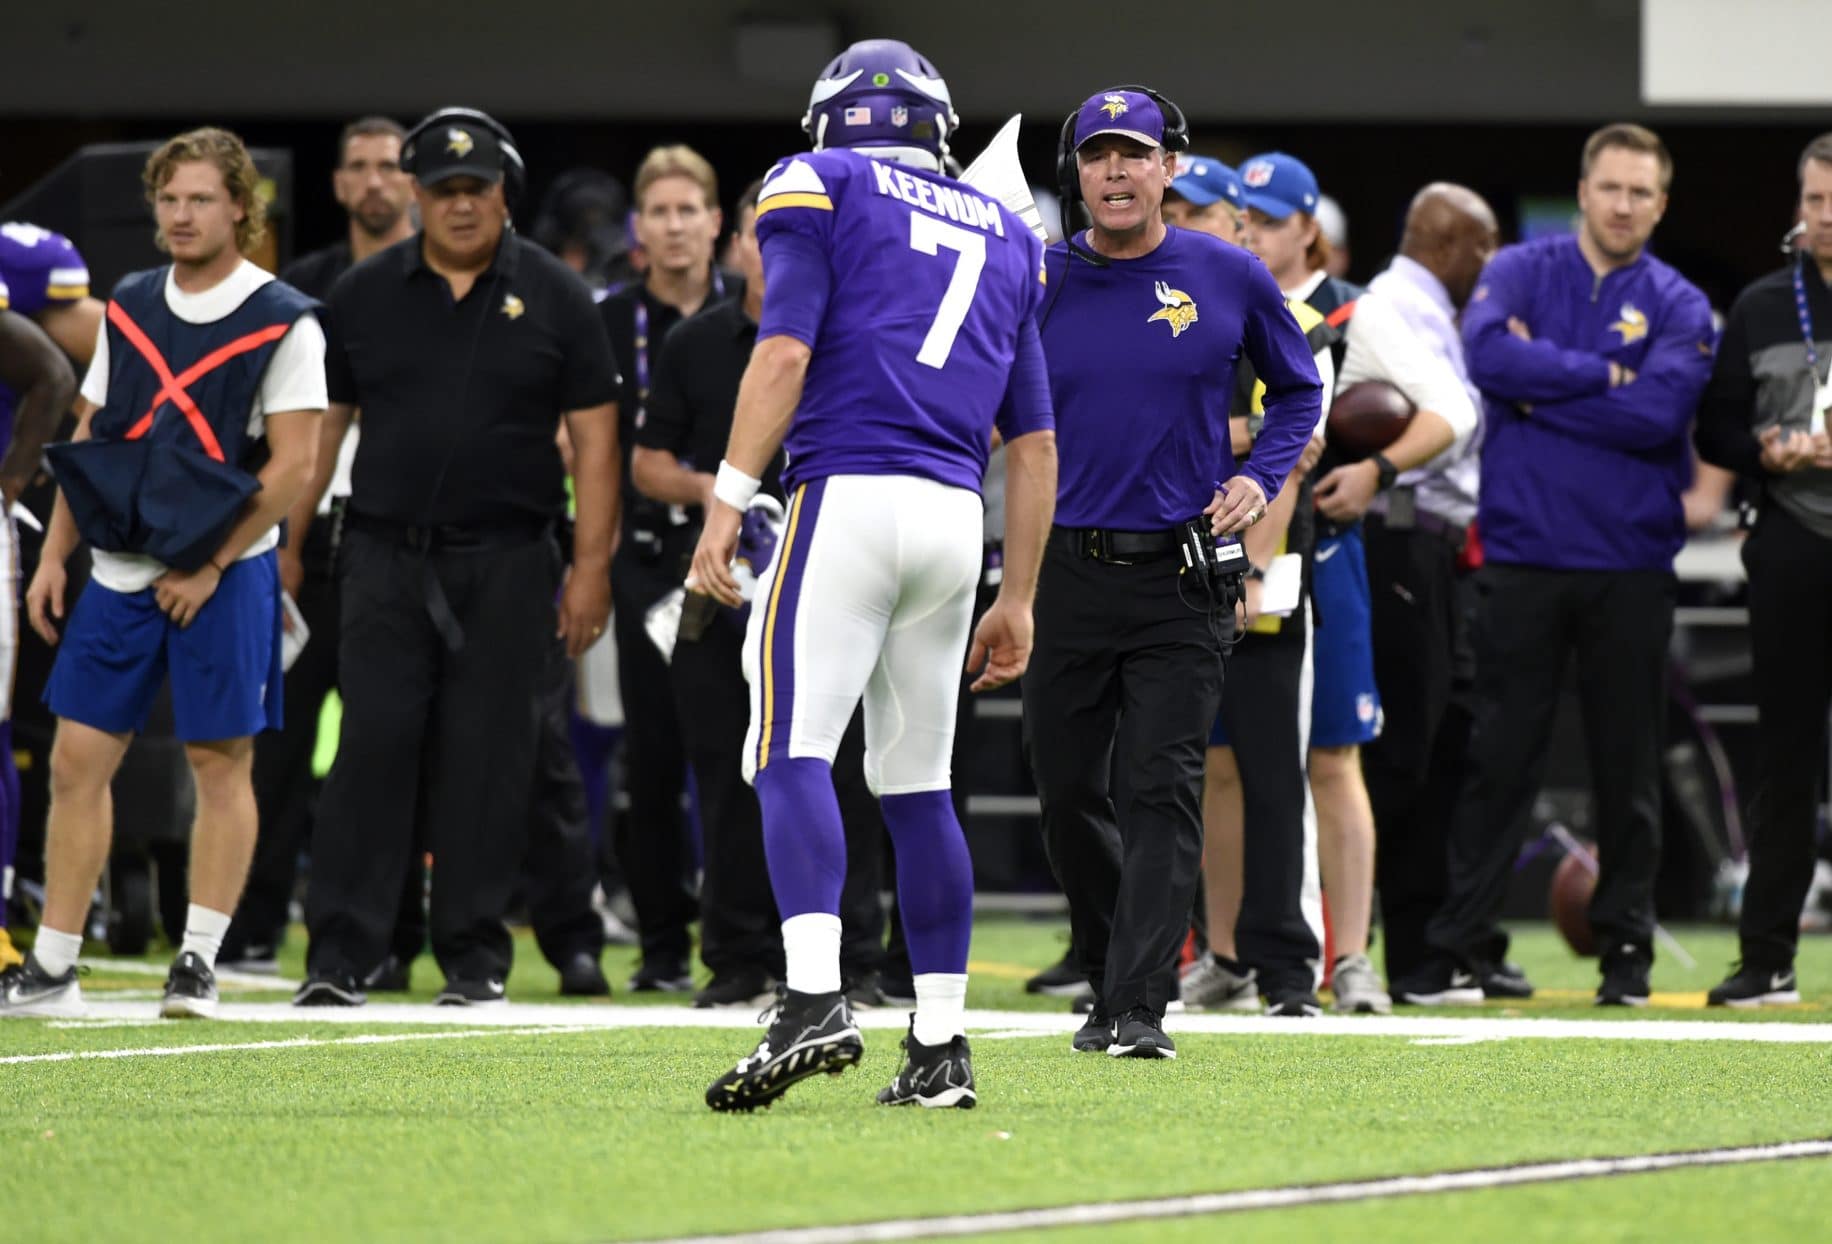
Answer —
1752 987
1625 978
812 1033
330 989
1062 979
190 989
582 977
1095 1033
28 990
933 1075
1141 1035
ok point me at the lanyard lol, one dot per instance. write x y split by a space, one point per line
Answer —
642 336
1806 316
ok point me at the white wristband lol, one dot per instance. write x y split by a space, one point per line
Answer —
734 487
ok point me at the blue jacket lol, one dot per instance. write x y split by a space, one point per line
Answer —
1577 475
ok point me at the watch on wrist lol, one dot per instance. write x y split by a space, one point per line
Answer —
1387 471
1254 572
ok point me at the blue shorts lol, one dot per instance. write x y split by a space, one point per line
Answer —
225 667
1344 702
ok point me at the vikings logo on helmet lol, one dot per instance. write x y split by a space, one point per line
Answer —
1113 105
1633 325
458 142
1178 309
882 93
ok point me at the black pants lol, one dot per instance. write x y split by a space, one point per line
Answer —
559 872
454 731
1529 622
1266 708
1421 641
283 784
1121 660
651 835
1790 630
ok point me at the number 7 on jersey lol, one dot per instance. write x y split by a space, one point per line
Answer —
928 236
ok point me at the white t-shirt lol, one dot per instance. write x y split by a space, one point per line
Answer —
294 381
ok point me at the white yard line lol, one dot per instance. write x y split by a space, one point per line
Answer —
1099 1214
295 1043
989 1025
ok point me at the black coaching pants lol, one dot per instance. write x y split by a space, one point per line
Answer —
1790 629
1529 623
449 737
1122 662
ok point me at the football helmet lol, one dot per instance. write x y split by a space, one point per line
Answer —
884 95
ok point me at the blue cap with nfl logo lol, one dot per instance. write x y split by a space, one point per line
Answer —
1126 113
1279 184
1202 181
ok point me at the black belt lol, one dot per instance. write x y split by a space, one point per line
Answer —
1116 547
451 537
1453 534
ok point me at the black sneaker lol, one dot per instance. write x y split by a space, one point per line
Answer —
812 1033
582 977
662 978
390 976
1141 1035
255 959
865 993
1083 1002
932 1075
1504 980
1095 1033
487 991
190 989
749 988
1062 979
27 990
1293 1002
1752 987
330 989
897 989
1438 983
1625 978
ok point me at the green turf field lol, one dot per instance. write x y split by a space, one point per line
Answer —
468 1133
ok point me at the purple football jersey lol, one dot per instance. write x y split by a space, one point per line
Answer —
37 269
927 284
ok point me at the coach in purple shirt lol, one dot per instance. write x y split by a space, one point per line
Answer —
1141 331
1591 355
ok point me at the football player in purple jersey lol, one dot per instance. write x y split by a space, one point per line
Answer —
897 332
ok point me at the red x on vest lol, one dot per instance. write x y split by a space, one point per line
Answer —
173 388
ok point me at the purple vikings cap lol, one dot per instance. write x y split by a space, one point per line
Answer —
1126 113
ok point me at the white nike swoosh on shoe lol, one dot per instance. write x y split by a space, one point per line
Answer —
1780 982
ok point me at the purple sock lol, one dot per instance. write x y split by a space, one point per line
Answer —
934 879
803 839
9 810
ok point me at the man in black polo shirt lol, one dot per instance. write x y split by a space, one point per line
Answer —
370 186
465 347
677 223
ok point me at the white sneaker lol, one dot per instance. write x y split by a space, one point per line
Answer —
1209 986
1357 987
27 990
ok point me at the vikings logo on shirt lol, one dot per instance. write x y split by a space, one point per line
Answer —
1633 325
458 142
513 307
1113 106
1178 310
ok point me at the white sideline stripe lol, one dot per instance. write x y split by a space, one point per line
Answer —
242 980
294 1043
996 1024
1270 1198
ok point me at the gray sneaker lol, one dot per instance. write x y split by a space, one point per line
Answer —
1357 987
28 990
1211 985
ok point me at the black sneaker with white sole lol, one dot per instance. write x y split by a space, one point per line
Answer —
1439 982
1504 980
1062 979
1140 1034
932 1075
1625 981
329 989
1753 987
1293 1002
1095 1034
190 989
811 1034
486 991
28 991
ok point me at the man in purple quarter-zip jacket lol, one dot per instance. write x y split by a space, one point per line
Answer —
1591 355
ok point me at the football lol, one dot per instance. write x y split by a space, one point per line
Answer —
1573 882
1367 417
